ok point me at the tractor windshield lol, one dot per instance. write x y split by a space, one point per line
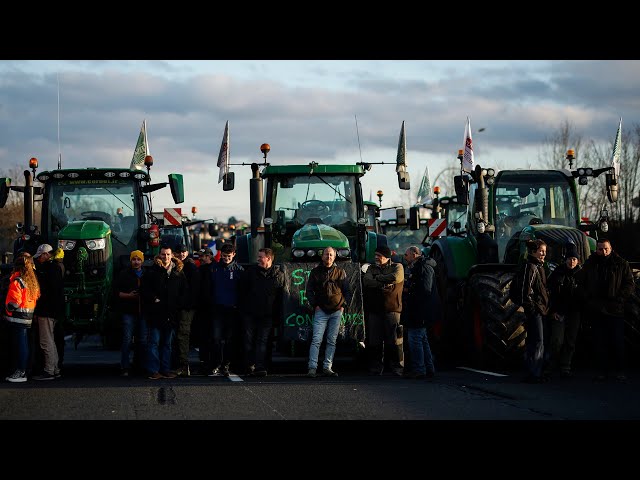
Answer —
526 198
112 203
328 199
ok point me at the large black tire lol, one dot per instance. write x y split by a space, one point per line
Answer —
632 324
495 329
445 335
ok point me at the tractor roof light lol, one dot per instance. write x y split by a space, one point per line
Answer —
460 154
583 180
148 161
436 190
33 163
491 172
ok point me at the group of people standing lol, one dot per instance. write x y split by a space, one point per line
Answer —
555 307
229 308
393 300
35 296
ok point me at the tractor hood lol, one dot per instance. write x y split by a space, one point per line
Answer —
557 237
318 235
84 230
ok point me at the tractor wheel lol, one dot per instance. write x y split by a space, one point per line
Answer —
494 328
632 324
445 335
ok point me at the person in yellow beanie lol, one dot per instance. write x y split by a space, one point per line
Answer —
133 325
57 258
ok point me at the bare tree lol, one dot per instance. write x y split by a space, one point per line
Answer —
554 150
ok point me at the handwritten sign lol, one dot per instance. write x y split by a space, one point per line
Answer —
298 315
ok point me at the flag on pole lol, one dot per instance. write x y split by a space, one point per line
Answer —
467 159
141 150
401 158
223 157
617 146
424 192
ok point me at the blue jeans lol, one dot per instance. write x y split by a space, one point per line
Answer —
331 323
133 325
534 344
20 346
160 340
420 351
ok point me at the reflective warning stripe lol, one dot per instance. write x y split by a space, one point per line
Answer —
173 216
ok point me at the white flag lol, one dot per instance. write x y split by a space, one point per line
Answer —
141 150
467 159
617 146
223 157
401 158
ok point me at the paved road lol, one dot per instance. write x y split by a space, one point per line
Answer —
91 389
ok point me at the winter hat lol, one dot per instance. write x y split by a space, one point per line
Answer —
136 254
571 251
384 250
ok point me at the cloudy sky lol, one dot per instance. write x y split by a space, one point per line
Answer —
307 110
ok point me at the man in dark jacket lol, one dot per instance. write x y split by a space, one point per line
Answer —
563 322
164 291
183 335
203 321
49 308
133 325
382 284
261 299
608 283
420 307
225 280
328 294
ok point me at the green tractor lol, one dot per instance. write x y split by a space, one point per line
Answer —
301 210
475 270
97 216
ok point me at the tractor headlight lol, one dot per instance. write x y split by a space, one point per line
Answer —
311 253
98 244
67 244
344 253
604 226
298 253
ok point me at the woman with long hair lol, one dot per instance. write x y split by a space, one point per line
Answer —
19 305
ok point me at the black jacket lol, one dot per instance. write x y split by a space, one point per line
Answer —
535 295
192 273
170 290
128 282
608 283
564 289
261 292
420 300
51 302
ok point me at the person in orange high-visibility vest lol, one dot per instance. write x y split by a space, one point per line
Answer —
19 305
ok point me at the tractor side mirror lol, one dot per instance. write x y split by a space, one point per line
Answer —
401 216
462 190
404 183
213 229
5 187
228 181
177 187
414 218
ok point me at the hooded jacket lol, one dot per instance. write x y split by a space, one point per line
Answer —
20 303
421 302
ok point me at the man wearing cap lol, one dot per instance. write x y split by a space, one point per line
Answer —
128 288
49 308
382 284
183 335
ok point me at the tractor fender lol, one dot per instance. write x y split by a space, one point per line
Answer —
459 255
